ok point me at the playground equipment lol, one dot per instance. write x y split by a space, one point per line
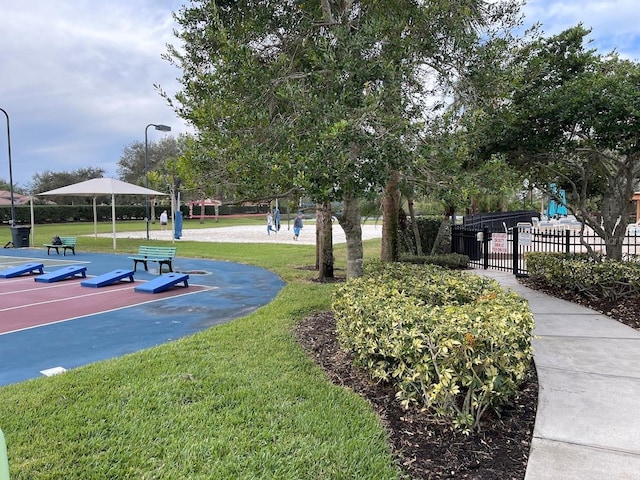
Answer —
557 208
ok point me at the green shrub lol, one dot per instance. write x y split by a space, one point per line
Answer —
606 280
428 230
451 342
453 261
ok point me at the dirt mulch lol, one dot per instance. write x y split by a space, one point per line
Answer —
426 449
423 447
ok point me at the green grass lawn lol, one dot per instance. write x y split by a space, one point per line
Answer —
237 401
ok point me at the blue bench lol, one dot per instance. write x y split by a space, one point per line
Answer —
62 273
163 283
108 278
22 269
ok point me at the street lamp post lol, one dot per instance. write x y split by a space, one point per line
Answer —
162 128
13 208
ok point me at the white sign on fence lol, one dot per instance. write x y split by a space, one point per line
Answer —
499 243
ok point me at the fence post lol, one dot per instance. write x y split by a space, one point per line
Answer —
516 250
485 247
567 240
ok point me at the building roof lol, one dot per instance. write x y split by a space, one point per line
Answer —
18 199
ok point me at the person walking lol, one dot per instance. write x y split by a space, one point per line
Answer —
270 224
297 226
164 218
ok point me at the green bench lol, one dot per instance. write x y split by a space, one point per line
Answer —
68 243
161 255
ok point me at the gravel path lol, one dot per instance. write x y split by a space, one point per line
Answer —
250 234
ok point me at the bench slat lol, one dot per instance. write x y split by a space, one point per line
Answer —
161 255
67 243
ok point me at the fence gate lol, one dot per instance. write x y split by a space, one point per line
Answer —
506 250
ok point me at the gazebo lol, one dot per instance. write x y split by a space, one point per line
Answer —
98 187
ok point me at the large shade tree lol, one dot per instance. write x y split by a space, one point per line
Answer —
155 170
322 97
572 117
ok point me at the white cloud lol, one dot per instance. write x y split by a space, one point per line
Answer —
614 23
77 76
77 80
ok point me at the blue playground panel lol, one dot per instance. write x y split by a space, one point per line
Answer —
62 273
164 282
108 278
22 269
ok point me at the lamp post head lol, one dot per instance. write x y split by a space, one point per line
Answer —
163 128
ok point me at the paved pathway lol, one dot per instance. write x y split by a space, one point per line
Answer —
588 421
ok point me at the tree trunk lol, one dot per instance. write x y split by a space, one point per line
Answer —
390 208
614 209
615 219
444 233
350 223
324 241
414 227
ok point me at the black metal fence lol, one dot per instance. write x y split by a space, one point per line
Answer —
498 221
506 250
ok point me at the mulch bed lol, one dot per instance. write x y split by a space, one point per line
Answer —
425 448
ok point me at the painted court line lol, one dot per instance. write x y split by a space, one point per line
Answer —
38 288
66 299
101 310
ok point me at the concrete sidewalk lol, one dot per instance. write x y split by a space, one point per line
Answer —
588 421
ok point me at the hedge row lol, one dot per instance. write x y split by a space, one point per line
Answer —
454 261
79 213
579 273
451 342
428 230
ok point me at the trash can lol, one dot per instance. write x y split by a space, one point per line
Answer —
20 236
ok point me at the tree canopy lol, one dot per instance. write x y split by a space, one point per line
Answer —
324 97
48 180
572 117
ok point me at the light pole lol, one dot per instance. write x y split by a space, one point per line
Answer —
162 128
13 208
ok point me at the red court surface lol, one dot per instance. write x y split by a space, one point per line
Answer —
59 326
25 303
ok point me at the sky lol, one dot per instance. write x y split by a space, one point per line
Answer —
77 76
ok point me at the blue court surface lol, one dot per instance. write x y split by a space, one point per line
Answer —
231 290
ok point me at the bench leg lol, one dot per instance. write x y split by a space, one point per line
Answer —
135 264
143 262
167 263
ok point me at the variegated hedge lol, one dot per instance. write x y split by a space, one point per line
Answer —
452 342
598 279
